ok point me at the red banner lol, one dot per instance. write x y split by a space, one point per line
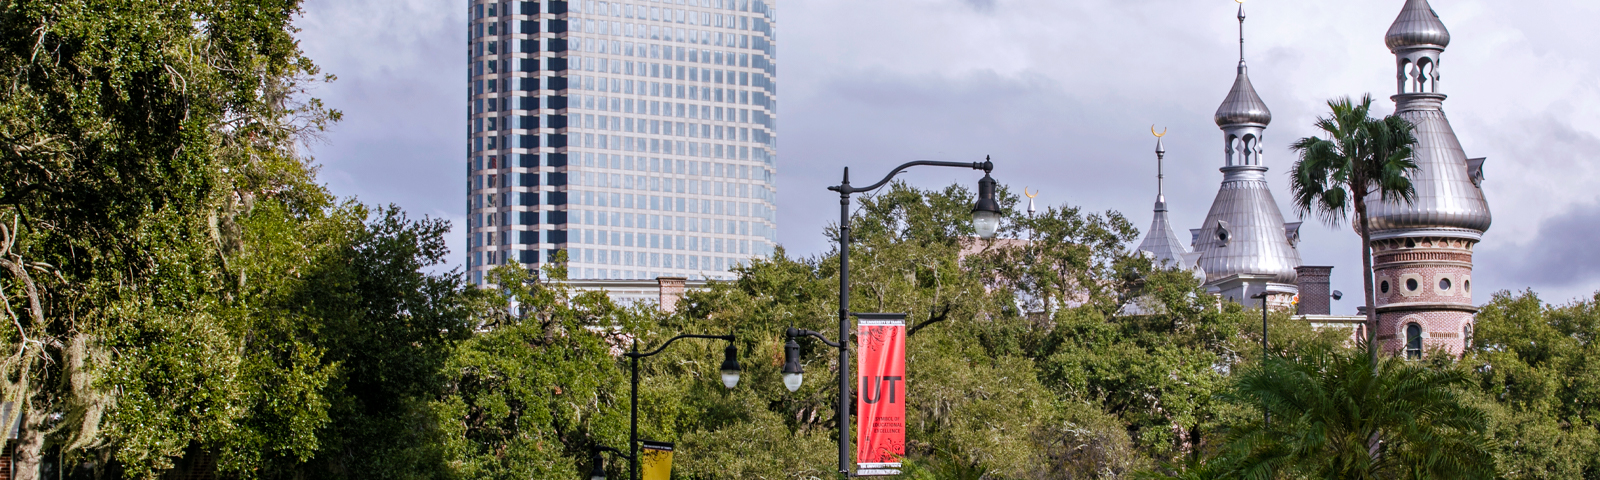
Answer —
881 393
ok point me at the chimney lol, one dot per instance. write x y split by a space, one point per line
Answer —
671 289
1314 293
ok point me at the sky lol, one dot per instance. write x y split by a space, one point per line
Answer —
1061 94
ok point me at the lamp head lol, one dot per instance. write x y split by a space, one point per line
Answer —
599 470
730 366
1337 295
986 213
793 374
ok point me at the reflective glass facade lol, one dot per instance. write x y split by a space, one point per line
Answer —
639 136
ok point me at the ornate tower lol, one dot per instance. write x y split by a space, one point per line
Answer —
1163 245
1422 252
1244 245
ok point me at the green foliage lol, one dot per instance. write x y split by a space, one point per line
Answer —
1332 414
1361 156
539 386
1538 369
385 329
995 391
140 138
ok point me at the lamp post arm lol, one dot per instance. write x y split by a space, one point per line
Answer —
619 453
795 333
674 339
846 189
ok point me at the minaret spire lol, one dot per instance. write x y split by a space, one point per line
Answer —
1160 242
1244 244
1241 34
1161 154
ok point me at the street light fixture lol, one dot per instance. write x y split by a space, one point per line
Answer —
793 374
986 216
598 469
986 212
730 372
730 367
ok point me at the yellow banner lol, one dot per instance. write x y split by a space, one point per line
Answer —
655 458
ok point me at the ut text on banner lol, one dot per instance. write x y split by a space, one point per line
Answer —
881 394
657 460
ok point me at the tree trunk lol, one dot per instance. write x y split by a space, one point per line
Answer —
1366 280
29 452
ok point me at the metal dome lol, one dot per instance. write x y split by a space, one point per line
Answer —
1243 105
1417 26
1449 202
1244 233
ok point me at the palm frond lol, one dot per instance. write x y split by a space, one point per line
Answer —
1328 406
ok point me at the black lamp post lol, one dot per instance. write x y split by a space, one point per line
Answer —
985 219
1267 417
730 378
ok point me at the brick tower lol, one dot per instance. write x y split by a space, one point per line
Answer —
1422 252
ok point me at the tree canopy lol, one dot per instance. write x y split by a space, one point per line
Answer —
183 298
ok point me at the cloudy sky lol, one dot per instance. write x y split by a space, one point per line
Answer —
1061 93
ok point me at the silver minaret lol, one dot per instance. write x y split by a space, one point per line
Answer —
1244 245
1163 245
1422 251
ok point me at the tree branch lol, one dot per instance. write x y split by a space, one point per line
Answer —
944 314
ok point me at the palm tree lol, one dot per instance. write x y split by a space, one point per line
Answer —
1360 157
1335 414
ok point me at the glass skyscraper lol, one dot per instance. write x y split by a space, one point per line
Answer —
637 136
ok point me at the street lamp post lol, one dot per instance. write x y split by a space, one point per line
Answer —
730 378
1266 416
985 219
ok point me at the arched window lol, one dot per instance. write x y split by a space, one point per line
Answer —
1466 336
1248 151
1233 146
1413 341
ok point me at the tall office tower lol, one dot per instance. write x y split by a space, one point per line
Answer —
637 136
1422 251
1245 247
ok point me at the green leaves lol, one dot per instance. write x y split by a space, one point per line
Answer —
1535 368
1359 157
1333 415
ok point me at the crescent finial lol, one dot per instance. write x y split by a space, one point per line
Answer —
1158 135
1238 1
1029 195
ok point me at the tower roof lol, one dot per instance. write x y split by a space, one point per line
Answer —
1244 233
1449 199
1163 244
1417 26
1160 242
1244 238
1243 105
